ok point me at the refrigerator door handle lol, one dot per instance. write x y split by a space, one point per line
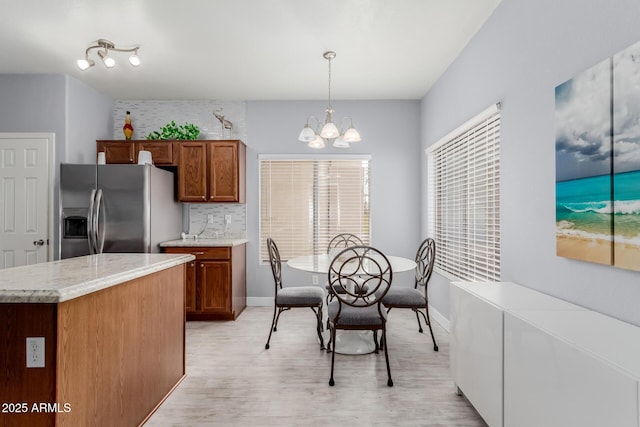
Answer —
99 236
90 227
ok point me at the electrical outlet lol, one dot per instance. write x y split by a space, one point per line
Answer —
227 219
314 279
209 218
35 352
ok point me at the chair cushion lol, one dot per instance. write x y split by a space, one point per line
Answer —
356 316
404 297
339 290
300 295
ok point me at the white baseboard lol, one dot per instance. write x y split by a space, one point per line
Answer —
259 301
438 317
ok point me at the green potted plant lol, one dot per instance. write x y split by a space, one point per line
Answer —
187 131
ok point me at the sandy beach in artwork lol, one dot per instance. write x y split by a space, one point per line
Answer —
593 249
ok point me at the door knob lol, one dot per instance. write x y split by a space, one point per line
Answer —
38 242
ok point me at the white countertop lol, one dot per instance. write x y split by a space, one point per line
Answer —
59 281
195 243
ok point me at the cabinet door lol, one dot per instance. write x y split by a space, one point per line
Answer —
223 176
190 283
161 151
192 172
119 152
215 284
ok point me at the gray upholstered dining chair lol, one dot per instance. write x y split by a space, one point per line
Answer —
359 277
336 244
417 298
286 298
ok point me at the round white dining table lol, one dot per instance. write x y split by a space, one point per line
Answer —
348 342
320 263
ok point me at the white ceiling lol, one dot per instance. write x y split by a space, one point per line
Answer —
245 49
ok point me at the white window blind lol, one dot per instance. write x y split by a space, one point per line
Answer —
464 199
305 202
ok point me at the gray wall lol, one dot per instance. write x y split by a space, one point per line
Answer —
74 112
390 132
524 50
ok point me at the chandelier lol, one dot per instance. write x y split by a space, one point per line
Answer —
329 132
104 47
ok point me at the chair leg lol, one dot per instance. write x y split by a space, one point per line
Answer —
319 324
386 356
433 338
375 340
418 317
272 328
427 320
333 356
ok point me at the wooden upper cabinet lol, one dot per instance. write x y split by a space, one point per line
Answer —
192 172
212 171
162 152
117 151
208 171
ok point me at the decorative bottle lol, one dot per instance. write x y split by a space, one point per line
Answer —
127 128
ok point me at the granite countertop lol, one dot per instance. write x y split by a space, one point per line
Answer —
195 243
59 281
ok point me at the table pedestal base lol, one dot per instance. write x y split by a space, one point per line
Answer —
352 342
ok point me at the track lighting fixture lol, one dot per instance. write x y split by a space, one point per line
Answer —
105 47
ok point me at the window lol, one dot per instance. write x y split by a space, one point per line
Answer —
464 199
304 202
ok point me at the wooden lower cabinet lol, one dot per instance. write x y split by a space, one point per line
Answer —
215 282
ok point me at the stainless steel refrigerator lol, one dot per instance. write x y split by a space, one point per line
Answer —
116 208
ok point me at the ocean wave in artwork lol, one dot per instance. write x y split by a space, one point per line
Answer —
619 207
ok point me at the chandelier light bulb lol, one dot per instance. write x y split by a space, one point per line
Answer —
329 131
307 134
352 135
316 143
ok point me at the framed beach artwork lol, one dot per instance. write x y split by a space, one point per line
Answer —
598 163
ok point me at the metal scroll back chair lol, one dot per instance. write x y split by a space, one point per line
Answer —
362 275
338 243
287 298
416 298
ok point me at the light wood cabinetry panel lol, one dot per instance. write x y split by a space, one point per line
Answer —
118 151
215 286
212 171
226 167
192 172
162 152
220 281
208 171
190 288
112 356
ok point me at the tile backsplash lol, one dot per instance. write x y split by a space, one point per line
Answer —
150 115
199 213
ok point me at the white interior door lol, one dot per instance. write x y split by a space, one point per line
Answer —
25 198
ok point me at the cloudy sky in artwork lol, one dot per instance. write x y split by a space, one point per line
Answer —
583 124
584 119
626 109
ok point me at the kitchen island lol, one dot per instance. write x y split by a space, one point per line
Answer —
112 328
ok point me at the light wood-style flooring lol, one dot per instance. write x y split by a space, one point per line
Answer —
233 381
